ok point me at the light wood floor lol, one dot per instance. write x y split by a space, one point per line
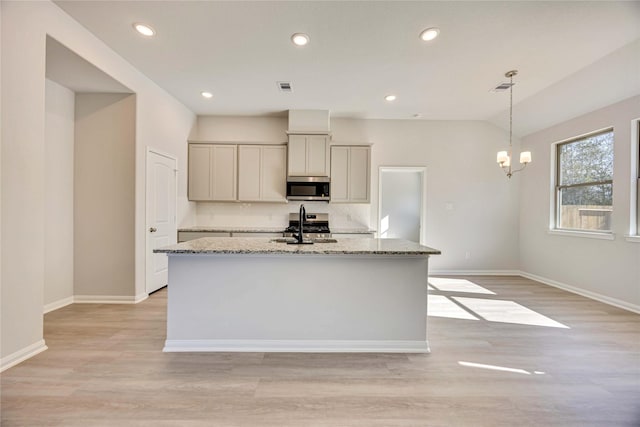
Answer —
526 355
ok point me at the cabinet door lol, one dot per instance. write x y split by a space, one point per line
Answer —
359 174
249 172
339 174
185 236
199 172
273 180
255 234
317 155
223 182
297 155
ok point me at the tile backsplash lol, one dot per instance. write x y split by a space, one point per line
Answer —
277 214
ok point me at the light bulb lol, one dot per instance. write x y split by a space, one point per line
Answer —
300 39
429 34
525 157
145 30
503 156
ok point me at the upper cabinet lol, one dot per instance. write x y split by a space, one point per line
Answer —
262 173
212 172
308 155
350 174
230 172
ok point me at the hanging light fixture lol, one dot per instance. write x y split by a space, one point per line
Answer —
504 157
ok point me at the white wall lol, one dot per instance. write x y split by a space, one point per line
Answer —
263 130
161 122
23 112
602 268
104 204
58 219
461 171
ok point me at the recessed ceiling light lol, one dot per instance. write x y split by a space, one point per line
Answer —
145 30
206 95
429 34
300 39
390 98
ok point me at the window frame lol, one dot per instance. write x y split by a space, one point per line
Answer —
554 226
634 196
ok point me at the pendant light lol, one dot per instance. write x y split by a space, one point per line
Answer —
504 157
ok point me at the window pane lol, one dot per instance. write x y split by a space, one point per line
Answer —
587 160
586 208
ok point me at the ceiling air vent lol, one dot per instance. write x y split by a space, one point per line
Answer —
502 87
285 86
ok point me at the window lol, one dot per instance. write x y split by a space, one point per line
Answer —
584 183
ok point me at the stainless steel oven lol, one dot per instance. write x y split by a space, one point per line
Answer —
312 188
316 225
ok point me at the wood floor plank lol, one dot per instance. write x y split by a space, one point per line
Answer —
505 351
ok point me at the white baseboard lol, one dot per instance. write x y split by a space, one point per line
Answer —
58 304
140 298
21 355
106 299
94 299
592 295
474 272
296 346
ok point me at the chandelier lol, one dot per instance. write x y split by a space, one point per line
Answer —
504 157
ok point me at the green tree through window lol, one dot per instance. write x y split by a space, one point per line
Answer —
585 183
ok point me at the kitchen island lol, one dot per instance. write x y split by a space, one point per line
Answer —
261 295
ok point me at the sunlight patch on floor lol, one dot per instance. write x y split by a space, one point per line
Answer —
495 310
441 306
494 367
458 285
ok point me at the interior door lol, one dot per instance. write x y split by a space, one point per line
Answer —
401 203
161 216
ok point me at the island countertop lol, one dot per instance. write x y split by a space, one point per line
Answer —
232 229
346 246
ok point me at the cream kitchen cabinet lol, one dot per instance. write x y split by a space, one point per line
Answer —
262 173
192 234
350 174
184 236
308 155
212 172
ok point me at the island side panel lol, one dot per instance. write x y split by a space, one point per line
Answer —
241 302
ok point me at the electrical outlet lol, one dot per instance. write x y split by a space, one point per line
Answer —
467 255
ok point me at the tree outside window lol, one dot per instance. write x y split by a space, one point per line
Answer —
584 190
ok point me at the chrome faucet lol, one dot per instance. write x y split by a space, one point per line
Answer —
303 216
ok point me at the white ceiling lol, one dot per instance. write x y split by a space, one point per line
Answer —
361 51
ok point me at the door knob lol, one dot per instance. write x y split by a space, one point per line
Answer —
153 230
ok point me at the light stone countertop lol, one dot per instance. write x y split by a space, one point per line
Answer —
345 246
231 229
352 230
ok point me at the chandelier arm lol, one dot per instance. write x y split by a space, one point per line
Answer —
518 170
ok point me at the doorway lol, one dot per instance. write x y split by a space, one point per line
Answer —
402 203
161 215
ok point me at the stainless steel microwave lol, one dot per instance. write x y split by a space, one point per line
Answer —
308 188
